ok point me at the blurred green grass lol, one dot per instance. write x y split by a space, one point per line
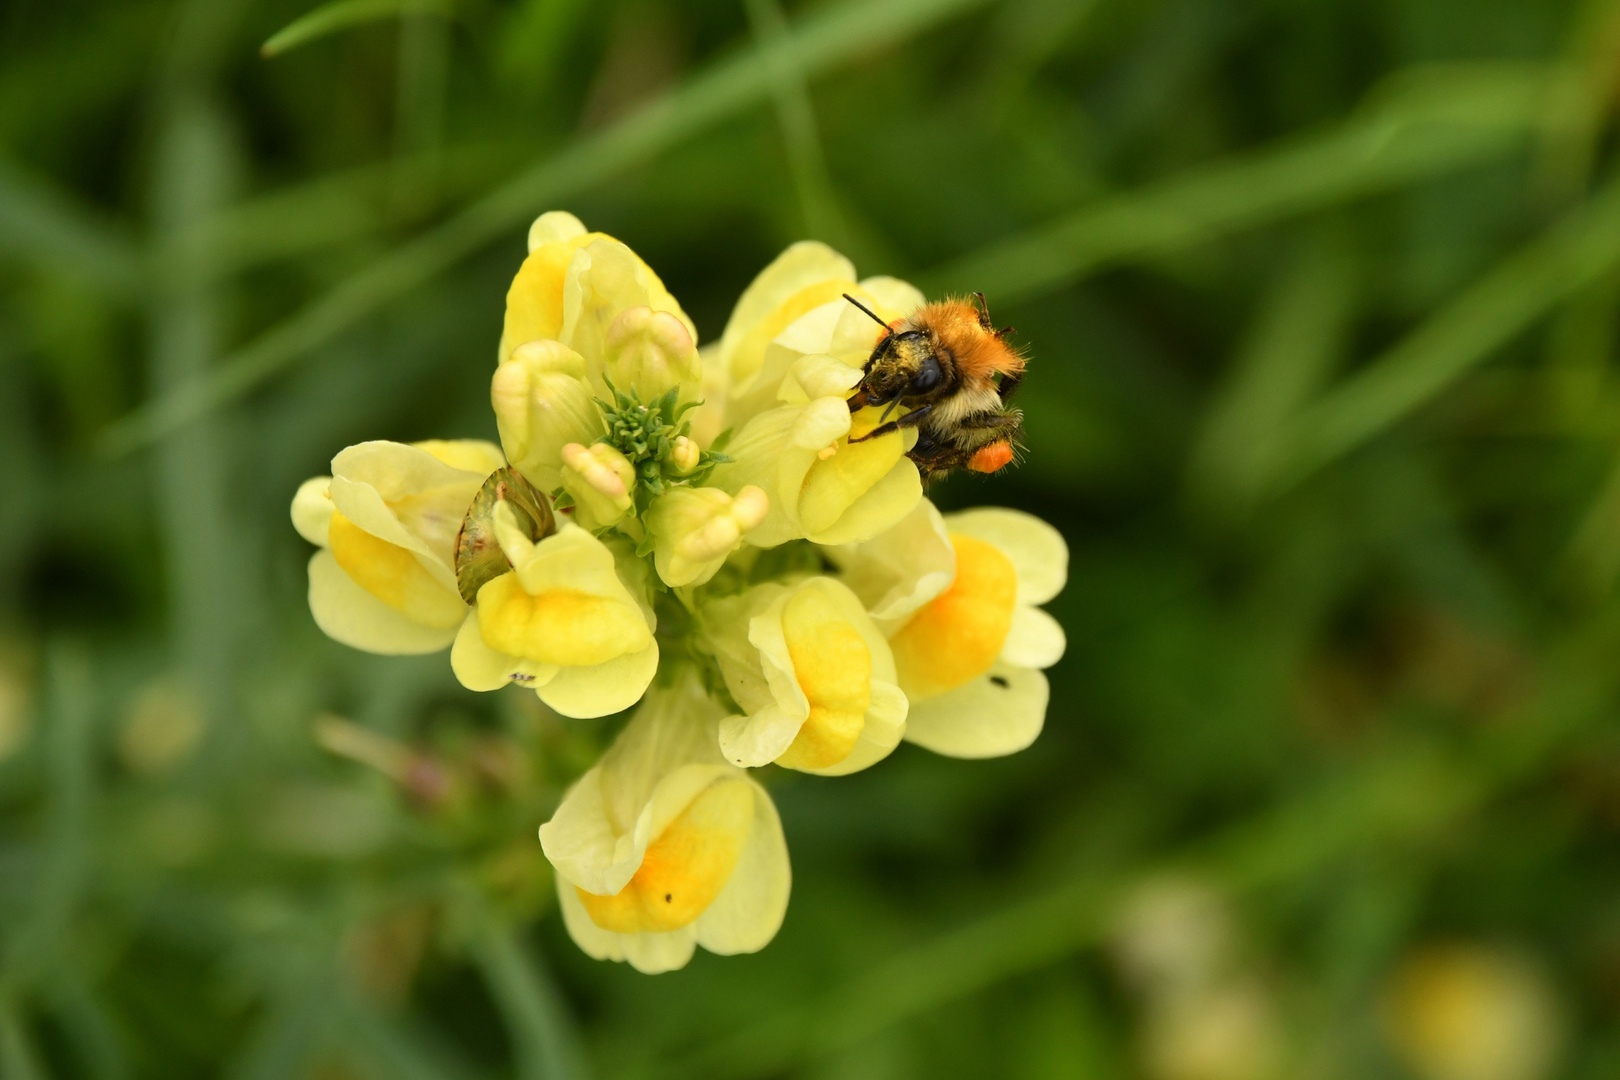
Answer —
1321 299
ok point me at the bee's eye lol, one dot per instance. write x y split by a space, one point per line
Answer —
927 377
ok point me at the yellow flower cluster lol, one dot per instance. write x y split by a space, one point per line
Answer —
820 607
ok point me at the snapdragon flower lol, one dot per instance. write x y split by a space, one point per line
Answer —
970 659
386 522
813 675
692 529
663 846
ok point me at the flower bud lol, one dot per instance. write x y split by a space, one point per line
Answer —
684 454
542 403
694 529
650 351
600 479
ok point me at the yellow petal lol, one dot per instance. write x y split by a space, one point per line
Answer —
534 303
959 635
748 911
998 713
468 455
345 612
834 669
1038 551
479 667
555 226
559 626
901 569
684 870
586 692
834 483
393 575
1036 640
312 509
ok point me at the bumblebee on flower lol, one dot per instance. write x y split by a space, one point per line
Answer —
615 549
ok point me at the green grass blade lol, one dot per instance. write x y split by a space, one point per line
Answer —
39 225
18 1058
1299 335
826 40
340 15
1521 289
545 1042
1436 123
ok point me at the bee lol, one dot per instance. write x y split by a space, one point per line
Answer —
948 365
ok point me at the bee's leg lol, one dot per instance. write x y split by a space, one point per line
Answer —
1009 383
984 312
911 419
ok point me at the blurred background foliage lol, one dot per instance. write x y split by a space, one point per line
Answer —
1321 297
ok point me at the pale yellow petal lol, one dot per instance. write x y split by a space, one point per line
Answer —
604 279
998 713
406 496
405 580
761 737
312 509
959 634
895 299
654 954
479 667
572 559
555 227
345 612
901 569
878 508
469 455
603 689
534 303
884 729
1036 640
1037 550
749 911
803 277
685 867
592 940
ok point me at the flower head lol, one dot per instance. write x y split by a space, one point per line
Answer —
713 534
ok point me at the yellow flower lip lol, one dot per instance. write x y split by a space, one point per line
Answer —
833 666
558 626
685 868
812 674
959 634
392 574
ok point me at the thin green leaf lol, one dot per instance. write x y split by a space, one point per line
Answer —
1429 123
340 15
1521 289
827 39
42 226
545 1043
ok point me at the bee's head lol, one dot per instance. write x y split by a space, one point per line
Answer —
904 365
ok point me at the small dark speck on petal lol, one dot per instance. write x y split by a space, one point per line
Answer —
999 680
668 897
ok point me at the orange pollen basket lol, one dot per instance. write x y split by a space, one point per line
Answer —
990 458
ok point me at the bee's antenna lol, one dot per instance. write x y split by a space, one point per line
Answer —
870 312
